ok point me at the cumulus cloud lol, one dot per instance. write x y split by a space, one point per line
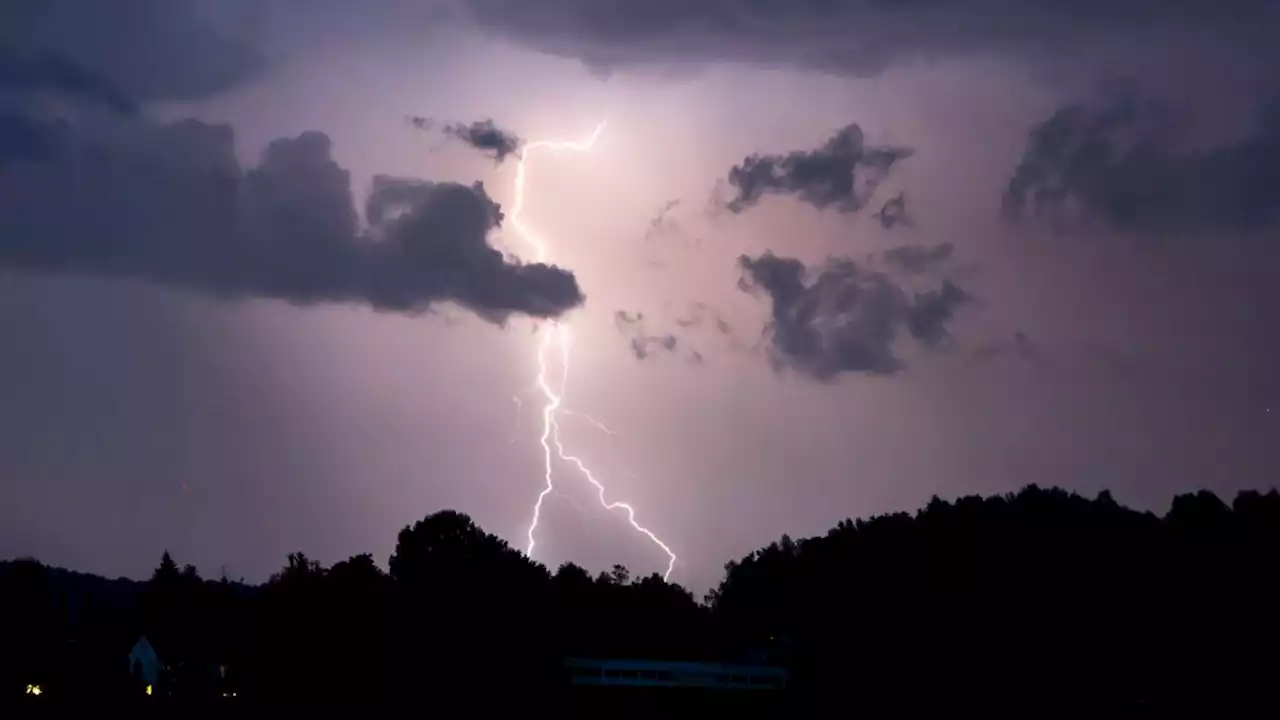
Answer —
843 173
169 203
842 317
1120 160
485 136
854 37
147 49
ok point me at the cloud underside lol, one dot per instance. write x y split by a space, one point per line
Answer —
90 185
169 203
1120 160
113 193
852 37
147 49
842 174
485 136
843 317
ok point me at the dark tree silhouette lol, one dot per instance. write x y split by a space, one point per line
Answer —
1033 604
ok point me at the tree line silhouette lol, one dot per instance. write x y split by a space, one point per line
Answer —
1039 602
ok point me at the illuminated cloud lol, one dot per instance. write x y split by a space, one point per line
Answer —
854 37
842 317
484 135
169 203
1119 160
842 174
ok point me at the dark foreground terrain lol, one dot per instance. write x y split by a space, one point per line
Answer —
1036 604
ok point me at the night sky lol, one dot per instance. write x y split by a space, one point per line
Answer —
261 289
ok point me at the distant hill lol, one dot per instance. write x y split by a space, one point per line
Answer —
73 591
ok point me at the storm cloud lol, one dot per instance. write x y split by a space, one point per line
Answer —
27 76
856 37
485 136
842 317
1121 161
842 174
23 137
169 203
146 49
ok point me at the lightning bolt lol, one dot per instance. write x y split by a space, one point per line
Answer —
596 423
557 334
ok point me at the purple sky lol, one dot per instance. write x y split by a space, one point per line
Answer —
1118 333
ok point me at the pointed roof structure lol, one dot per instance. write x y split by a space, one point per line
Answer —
144 662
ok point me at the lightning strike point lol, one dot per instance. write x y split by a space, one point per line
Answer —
557 333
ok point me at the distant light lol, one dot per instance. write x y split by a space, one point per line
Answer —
34 690
148 689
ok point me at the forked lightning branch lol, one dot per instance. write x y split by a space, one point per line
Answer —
555 335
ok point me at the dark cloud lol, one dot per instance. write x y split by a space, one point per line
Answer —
170 204
842 174
438 235
645 344
147 49
844 317
894 212
1121 161
929 314
855 37
23 137
484 135
420 122
30 84
22 76
918 259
